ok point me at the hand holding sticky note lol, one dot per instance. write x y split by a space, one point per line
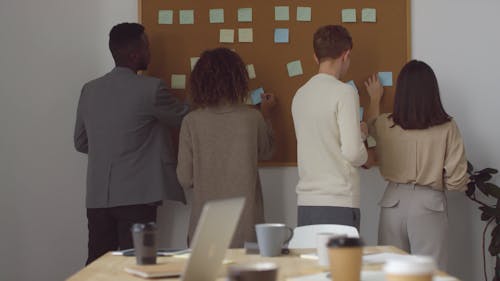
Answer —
255 95
385 78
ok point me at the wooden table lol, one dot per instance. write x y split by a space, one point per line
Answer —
109 267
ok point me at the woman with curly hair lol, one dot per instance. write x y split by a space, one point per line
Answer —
222 141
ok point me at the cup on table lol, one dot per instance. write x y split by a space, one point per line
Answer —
262 271
322 239
144 236
271 237
412 268
345 256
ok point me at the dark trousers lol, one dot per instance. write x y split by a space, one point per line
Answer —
109 228
308 215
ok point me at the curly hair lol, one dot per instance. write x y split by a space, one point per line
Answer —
220 76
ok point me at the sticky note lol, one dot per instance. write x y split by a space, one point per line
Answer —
251 71
216 15
361 111
368 15
245 14
165 17
186 17
226 36
349 15
245 35
294 68
281 35
353 85
303 13
255 95
281 13
385 78
194 60
178 81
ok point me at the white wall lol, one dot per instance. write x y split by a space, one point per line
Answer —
50 48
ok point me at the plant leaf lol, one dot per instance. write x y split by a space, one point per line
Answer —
482 187
488 170
470 168
492 190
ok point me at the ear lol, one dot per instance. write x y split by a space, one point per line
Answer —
346 55
316 59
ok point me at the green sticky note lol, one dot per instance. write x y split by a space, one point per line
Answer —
281 13
186 16
245 14
348 15
294 68
245 35
216 15
226 36
385 78
178 81
165 17
251 71
193 61
303 13
369 15
281 35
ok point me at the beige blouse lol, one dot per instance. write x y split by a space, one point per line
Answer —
432 157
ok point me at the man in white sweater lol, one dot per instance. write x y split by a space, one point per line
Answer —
329 140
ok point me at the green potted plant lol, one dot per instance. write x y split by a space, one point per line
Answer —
480 180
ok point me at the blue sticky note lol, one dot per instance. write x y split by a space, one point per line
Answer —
281 35
353 85
361 111
255 95
385 78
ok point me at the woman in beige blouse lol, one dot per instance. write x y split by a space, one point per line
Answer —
421 154
222 141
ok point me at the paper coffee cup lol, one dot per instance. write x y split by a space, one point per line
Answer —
322 239
411 268
345 254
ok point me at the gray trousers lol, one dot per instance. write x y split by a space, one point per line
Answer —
308 215
415 219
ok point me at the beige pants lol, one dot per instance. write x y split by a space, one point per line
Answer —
415 219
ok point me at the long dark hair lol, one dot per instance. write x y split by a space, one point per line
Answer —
220 76
417 104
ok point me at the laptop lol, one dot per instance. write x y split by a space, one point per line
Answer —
211 239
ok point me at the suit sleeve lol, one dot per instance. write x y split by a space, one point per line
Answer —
185 157
80 138
167 108
455 165
351 145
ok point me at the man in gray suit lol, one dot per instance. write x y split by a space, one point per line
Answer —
122 124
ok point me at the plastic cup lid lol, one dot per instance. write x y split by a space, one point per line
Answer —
417 265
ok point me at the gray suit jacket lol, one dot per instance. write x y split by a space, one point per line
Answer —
122 124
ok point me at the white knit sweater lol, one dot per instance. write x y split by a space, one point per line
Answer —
329 145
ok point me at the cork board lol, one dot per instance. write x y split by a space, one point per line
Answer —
383 45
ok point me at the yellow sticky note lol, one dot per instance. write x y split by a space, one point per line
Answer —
186 16
281 13
349 15
178 81
368 15
245 35
216 15
294 68
303 13
226 36
245 14
165 17
251 71
194 60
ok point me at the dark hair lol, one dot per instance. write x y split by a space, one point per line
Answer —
417 104
123 38
219 76
330 41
